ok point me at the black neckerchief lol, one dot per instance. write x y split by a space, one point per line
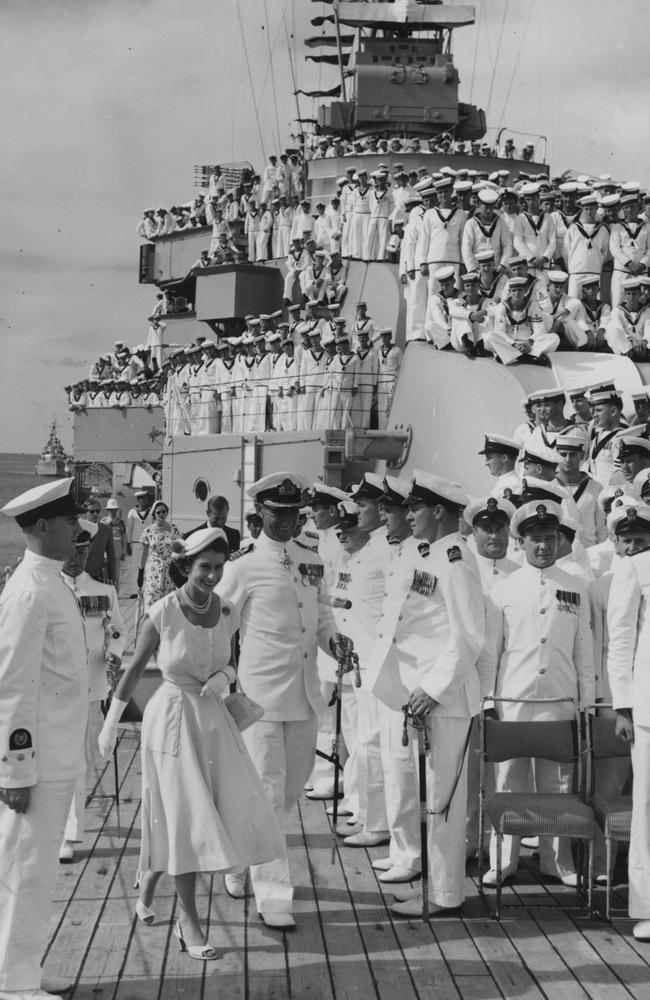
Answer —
487 230
452 212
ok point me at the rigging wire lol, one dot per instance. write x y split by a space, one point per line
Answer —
275 93
477 33
250 81
516 64
293 73
496 58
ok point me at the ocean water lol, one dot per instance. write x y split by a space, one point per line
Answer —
16 476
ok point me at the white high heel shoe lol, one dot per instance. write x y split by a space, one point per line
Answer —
201 952
144 914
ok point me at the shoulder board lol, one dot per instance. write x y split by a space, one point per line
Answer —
242 552
303 545
454 554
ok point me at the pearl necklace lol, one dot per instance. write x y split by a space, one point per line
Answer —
199 608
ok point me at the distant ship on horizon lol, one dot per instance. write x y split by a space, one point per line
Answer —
53 460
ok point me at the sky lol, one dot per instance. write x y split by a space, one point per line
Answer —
108 104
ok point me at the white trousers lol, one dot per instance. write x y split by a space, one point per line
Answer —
358 229
307 409
226 413
29 850
288 413
361 406
377 236
384 397
283 754
252 244
417 292
372 797
291 290
74 827
555 856
322 775
401 790
262 244
639 856
501 345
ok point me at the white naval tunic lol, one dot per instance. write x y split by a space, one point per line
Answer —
628 669
277 591
428 637
43 713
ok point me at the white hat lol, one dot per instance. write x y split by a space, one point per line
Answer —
432 489
371 487
396 491
328 495
279 490
558 277
570 442
463 186
499 443
537 512
53 499
488 196
112 504
200 540
445 272
627 514
536 452
488 507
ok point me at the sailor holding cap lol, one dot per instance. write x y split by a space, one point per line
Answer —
628 669
276 585
43 714
425 657
538 645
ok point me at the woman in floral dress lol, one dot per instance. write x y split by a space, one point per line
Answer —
157 541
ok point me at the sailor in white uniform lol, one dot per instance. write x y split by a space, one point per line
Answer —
628 670
368 378
43 714
500 459
105 633
629 245
439 242
585 245
276 587
312 373
534 233
519 332
390 359
425 657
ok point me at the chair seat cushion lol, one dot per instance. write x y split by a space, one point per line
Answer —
540 814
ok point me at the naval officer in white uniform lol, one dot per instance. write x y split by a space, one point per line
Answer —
43 712
276 585
105 638
425 657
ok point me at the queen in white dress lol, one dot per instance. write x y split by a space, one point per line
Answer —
204 808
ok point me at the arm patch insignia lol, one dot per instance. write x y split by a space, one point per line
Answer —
454 554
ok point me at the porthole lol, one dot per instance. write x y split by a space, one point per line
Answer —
202 490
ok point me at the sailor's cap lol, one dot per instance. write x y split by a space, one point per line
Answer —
444 183
361 304
610 200
630 284
634 446
371 487
529 189
448 171
540 489
413 199
482 256
568 187
642 394
487 508
470 278
548 196
534 451
488 195
588 280
428 191
445 272
610 493
576 391
423 183
348 514
498 444
461 186
545 395
516 260
294 308
329 496
259 338
536 513
313 303
627 514
55 499
569 442
517 282
396 491
279 490
274 338
630 187
428 488
588 199
558 277
642 483
629 199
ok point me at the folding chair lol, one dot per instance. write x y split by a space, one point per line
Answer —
614 816
534 814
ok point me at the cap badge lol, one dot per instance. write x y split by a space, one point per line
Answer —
542 512
631 513
492 505
507 493
618 493
287 489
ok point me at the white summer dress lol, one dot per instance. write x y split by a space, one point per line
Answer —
204 808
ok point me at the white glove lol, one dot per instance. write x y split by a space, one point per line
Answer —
108 736
217 685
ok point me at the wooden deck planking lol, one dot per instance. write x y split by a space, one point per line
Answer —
346 946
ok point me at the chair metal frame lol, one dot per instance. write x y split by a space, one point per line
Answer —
574 724
592 722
